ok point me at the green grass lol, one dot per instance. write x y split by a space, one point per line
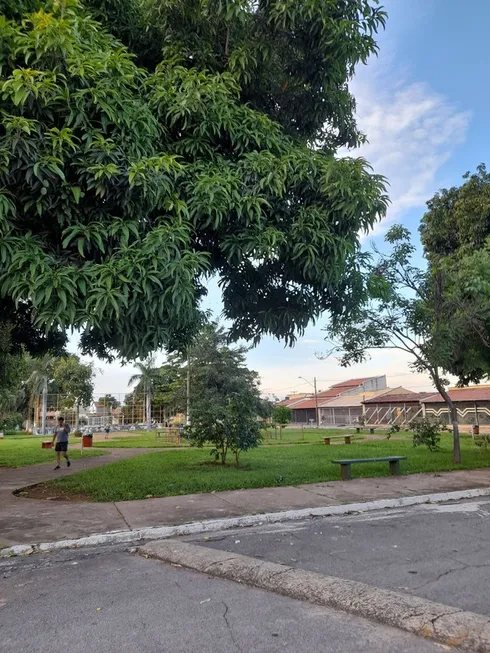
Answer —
22 450
171 473
138 441
143 439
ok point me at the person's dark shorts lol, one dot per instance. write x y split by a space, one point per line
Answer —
61 446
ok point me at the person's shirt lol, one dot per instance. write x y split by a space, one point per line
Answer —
62 433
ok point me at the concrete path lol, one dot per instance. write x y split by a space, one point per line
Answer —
24 521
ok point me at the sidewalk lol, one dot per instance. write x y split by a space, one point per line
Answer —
32 520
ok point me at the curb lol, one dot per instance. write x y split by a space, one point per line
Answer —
441 623
213 525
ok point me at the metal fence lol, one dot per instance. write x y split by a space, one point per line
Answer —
127 411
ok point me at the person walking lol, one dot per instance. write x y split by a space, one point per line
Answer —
61 446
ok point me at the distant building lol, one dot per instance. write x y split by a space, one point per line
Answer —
472 404
397 406
346 410
303 411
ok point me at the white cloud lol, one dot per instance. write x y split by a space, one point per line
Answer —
412 132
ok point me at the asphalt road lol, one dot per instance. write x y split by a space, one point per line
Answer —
440 552
112 601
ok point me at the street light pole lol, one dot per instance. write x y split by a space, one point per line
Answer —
317 414
313 385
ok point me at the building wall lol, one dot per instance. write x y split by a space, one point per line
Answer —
467 414
396 413
376 383
338 416
303 415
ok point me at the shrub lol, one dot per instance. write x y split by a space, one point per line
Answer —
281 415
11 422
482 441
427 433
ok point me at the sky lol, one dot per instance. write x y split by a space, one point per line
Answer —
423 104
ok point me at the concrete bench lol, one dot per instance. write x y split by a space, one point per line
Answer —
347 438
345 465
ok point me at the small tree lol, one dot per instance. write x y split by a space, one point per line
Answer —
426 433
76 382
422 313
110 400
225 398
282 415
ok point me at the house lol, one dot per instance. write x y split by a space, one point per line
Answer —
346 410
99 415
397 406
303 411
472 404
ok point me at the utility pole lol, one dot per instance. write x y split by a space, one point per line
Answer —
317 414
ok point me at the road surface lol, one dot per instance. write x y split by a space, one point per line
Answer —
439 551
109 600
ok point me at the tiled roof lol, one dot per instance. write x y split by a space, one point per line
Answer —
353 383
407 398
290 402
304 404
329 393
351 401
473 393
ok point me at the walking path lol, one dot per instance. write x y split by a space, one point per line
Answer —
34 520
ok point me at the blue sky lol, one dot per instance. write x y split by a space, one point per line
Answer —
423 103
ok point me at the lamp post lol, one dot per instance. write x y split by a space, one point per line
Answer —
313 385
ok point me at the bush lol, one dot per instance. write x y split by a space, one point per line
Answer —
482 441
427 433
281 415
11 421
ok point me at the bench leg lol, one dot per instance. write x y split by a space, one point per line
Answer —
347 439
371 431
395 467
345 472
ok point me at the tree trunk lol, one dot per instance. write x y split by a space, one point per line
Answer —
188 392
453 414
77 415
45 406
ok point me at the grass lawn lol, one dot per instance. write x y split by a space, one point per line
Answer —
21 450
143 439
139 440
170 473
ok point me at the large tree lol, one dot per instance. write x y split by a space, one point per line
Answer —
224 395
41 374
123 187
144 380
424 313
455 233
75 381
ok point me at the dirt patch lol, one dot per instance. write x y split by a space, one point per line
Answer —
49 493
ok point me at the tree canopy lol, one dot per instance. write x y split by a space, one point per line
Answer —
455 233
123 187
422 313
